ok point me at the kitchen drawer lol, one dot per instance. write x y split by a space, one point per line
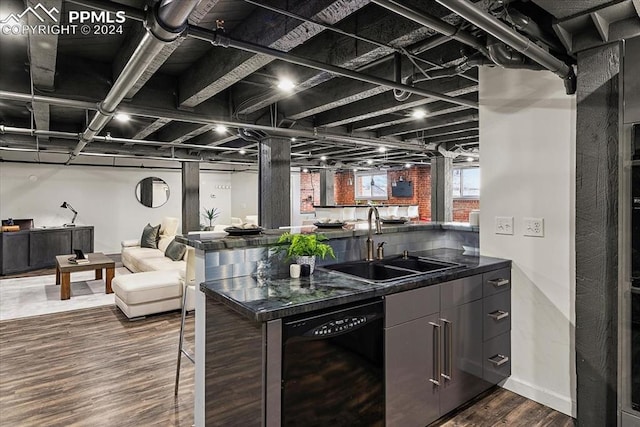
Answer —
496 358
496 281
496 310
405 306
461 291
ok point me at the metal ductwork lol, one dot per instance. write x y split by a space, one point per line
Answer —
517 41
165 22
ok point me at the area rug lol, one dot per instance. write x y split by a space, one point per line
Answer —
33 296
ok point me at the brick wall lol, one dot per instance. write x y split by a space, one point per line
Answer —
309 191
420 176
462 207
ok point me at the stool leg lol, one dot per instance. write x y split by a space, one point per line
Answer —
182 321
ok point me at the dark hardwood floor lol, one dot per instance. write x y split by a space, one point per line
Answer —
95 368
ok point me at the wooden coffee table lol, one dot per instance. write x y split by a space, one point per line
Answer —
97 262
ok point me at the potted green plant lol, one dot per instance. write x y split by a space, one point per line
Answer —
210 215
304 248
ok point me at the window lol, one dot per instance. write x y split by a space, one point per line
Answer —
466 183
371 186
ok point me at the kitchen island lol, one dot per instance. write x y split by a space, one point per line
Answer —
438 349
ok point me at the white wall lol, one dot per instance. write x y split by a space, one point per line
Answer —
244 200
103 196
527 140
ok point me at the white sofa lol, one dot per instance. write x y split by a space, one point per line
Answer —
158 282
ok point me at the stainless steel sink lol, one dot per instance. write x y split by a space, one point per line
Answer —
389 269
422 265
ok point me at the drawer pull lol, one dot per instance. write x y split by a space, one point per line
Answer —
499 282
499 359
499 315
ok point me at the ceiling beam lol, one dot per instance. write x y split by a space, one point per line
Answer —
347 52
385 103
430 123
462 136
150 128
43 50
220 68
450 130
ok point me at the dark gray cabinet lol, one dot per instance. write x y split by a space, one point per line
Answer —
444 345
36 248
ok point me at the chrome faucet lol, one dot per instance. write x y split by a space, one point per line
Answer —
370 251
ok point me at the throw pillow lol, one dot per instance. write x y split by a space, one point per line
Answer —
149 237
175 251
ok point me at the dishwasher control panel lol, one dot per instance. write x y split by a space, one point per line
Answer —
338 325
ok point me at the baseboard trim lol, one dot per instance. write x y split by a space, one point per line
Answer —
548 398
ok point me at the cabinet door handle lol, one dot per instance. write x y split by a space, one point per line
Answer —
436 353
498 315
499 359
448 349
499 282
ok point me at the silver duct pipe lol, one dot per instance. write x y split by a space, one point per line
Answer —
503 32
219 39
164 24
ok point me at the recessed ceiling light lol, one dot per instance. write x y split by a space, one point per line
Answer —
419 114
221 128
382 149
122 117
323 158
286 85
470 159
369 161
242 151
293 139
407 165
305 170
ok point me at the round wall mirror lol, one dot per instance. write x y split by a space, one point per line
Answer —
152 192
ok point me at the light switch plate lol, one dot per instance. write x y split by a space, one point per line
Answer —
504 225
533 227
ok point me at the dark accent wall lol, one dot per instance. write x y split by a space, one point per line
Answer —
441 189
190 196
598 121
274 183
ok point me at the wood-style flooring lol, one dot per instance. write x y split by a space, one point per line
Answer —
95 368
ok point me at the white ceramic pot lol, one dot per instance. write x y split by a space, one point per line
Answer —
309 260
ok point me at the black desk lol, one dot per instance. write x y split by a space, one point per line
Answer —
27 250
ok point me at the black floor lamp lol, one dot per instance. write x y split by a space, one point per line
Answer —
75 214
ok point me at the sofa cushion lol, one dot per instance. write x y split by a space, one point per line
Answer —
146 287
160 264
149 237
169 226
175 251
164 241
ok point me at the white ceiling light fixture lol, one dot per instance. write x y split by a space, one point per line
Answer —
407 165
221 128
286 85
382 149
369 162
293 139
470 159
419 114
242 151
323 158
305 170
122 117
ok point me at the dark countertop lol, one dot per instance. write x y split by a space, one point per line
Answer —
263 298
268 237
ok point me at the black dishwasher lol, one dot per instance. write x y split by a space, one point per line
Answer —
333 368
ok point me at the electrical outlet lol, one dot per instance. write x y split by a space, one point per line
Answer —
504 225
533 227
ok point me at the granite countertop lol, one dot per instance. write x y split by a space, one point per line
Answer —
262 298
270 236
